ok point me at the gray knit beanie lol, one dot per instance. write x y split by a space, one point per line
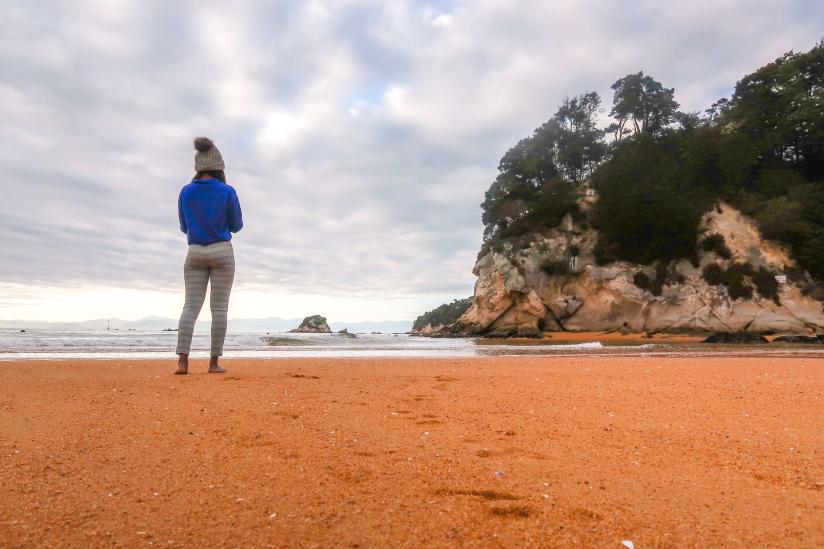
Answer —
207 157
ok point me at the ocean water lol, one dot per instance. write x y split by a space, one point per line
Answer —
57 344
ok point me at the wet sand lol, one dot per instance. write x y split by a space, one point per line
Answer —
618 336
623 337
509 452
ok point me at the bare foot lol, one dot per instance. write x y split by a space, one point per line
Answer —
182 366
214 368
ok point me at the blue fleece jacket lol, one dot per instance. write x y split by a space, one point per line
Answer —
209 211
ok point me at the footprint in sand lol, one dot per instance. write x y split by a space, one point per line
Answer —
302 376
489 495
518 511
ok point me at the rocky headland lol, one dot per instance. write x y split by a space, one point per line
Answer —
554 284
678 222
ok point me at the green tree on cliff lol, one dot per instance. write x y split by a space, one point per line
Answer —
535 186
781 107
641 105
579 146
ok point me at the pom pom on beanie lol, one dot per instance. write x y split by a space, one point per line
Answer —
203 144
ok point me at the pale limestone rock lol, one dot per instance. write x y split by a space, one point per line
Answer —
514 297
744 239
564 306
427 330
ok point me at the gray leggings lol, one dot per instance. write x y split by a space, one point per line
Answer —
215 262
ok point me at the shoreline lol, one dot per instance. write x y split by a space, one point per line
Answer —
482 350
629 337
495 451
661 337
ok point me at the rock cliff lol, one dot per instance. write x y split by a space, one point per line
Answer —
554 284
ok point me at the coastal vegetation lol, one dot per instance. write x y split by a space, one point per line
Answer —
554 268
716 243
737 278
657 170
443 315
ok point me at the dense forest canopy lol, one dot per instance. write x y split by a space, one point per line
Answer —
657 169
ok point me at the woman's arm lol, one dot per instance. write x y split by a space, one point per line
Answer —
235 215
180 216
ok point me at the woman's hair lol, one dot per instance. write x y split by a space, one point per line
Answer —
214 174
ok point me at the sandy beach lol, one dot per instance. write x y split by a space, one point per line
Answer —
527 451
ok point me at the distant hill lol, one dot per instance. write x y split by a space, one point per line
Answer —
273 324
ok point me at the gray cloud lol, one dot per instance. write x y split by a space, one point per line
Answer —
360 135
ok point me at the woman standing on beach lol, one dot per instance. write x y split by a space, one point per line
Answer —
209 212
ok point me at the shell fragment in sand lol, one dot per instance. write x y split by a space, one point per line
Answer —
628 544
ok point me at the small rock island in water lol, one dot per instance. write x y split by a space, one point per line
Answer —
314 324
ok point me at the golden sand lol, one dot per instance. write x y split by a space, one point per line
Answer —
540 451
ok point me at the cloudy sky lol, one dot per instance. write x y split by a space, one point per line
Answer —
359 134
